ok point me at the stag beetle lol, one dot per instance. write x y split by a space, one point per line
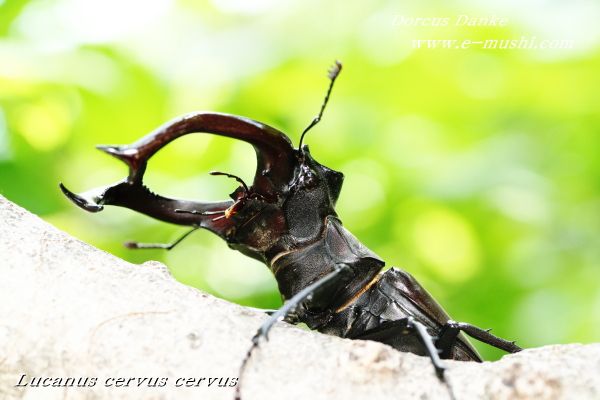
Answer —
287 220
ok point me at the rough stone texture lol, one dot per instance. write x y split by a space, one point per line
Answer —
68 309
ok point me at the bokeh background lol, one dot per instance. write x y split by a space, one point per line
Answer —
476 170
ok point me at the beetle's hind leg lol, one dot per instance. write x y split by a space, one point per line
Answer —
451 329
130 244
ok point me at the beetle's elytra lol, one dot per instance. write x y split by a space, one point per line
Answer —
286 218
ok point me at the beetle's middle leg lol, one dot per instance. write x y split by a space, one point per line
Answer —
409 326
406 326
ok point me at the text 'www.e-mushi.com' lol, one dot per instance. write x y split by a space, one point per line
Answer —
489 44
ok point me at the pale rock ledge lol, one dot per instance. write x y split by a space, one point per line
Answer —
68 309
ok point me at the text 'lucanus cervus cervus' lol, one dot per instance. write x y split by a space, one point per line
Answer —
286 218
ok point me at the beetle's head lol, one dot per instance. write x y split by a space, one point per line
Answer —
283 175
296 185
315 176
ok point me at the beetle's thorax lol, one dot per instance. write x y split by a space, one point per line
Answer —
296 269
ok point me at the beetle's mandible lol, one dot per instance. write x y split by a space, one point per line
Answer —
286 218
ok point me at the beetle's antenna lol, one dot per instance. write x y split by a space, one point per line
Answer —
231 210
237 178
332 74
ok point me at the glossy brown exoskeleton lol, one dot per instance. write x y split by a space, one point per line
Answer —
287 219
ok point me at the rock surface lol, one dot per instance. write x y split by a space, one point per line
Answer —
69 310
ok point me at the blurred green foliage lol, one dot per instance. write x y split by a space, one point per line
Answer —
476 170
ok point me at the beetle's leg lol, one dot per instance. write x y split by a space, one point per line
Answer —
130 244
451 329
336 278
266 311
405 326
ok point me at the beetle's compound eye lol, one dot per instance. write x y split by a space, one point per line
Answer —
310 180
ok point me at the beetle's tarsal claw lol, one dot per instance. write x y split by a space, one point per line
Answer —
87 203
440 373
130 244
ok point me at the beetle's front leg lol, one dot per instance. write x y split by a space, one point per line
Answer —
338 277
